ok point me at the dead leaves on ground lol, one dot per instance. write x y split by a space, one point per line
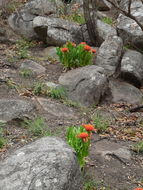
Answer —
127 126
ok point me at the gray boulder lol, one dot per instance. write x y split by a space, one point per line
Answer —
56 109
22 21
85 85
33 66
125 93
132 67
14 108
109 54
56 31
46 164
106 148
128 29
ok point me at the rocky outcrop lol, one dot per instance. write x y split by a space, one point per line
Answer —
22 21
49 163
132 67
109 54
85 85
128 29
57 31
14 108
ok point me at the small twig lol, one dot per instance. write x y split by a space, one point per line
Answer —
116 157
135 109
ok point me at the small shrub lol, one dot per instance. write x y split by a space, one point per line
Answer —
73 56
100 123
58 93
22 47
37 126
78 137
138 147
107 20
39 88
26 73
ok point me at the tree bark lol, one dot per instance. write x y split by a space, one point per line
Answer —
90 14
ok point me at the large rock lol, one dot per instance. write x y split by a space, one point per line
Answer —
128 29
85 85
107 148
109 54
47 164
122 92
33 66
104 30
132 67
56 31
56 109
14 108
22 20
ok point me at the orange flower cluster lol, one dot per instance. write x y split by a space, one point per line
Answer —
64 49
85 136
138 188
88 48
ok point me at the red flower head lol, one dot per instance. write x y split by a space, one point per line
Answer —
93 50
138 188
87 48
64 49
83 43
88 127
84 136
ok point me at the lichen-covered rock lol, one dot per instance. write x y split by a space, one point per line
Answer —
14 108
46 164
132 67
56 31
85 85
109 54
128 29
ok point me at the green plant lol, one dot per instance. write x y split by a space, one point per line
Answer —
72 103
39 88
37 126
22 47
91 185
78 137
26 73
58 93
2 139
107 20
138 147
100 123
75 17
73 56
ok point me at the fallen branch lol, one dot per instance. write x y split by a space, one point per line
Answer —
128 12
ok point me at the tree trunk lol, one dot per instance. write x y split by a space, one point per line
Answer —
90 14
